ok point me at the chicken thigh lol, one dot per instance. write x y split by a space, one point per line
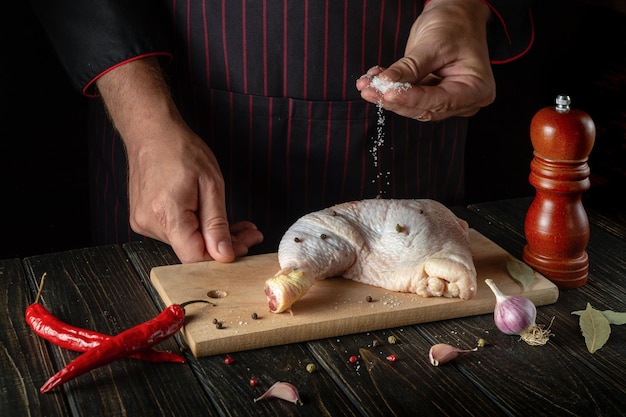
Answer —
416 246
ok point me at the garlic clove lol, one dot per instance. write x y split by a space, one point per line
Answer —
283 391
442 353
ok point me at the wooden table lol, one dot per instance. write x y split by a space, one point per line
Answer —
108 289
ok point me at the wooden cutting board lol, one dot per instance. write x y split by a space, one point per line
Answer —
332 307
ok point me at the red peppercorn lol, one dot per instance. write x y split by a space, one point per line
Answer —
392 358
228 360
353 359
253 382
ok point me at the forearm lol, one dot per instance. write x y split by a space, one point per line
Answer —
477 10
139 103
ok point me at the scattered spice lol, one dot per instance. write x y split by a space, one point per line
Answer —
228 360
353 359
311 367
369 299
214 321
254 316
297 239
253 382
392 358
391 340
219 325
481 342
375 343
323 236
399 228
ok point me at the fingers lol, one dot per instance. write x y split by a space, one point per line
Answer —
213 220
446 61
433 98
244 235
223 242
187 241
191 244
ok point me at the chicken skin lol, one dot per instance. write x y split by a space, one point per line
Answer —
416 246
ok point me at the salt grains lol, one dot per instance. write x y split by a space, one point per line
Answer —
382 86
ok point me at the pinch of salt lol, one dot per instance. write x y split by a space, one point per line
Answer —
382 86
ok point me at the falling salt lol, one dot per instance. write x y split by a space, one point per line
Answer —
382 86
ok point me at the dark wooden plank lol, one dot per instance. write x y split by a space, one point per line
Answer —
98 289
403 387
229 385
24 359
532 380
608 223
594 381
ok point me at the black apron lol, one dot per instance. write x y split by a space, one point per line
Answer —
272 91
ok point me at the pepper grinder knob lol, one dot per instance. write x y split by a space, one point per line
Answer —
556 224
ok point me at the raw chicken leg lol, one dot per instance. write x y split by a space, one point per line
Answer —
416 246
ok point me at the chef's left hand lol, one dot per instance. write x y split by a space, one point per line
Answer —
446 61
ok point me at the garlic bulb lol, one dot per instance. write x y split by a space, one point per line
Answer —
516 315
512 314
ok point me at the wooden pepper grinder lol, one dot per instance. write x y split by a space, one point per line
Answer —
556 225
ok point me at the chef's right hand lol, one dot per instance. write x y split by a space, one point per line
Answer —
446 62
176 189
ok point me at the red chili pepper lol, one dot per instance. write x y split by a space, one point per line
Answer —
126 343
49 327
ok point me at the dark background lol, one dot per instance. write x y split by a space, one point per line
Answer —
579 50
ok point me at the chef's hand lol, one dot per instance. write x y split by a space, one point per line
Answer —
176 188
447 62
176 194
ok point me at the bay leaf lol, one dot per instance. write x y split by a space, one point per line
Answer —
614 317
595 328
520 272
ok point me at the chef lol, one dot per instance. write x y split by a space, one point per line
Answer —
216 124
